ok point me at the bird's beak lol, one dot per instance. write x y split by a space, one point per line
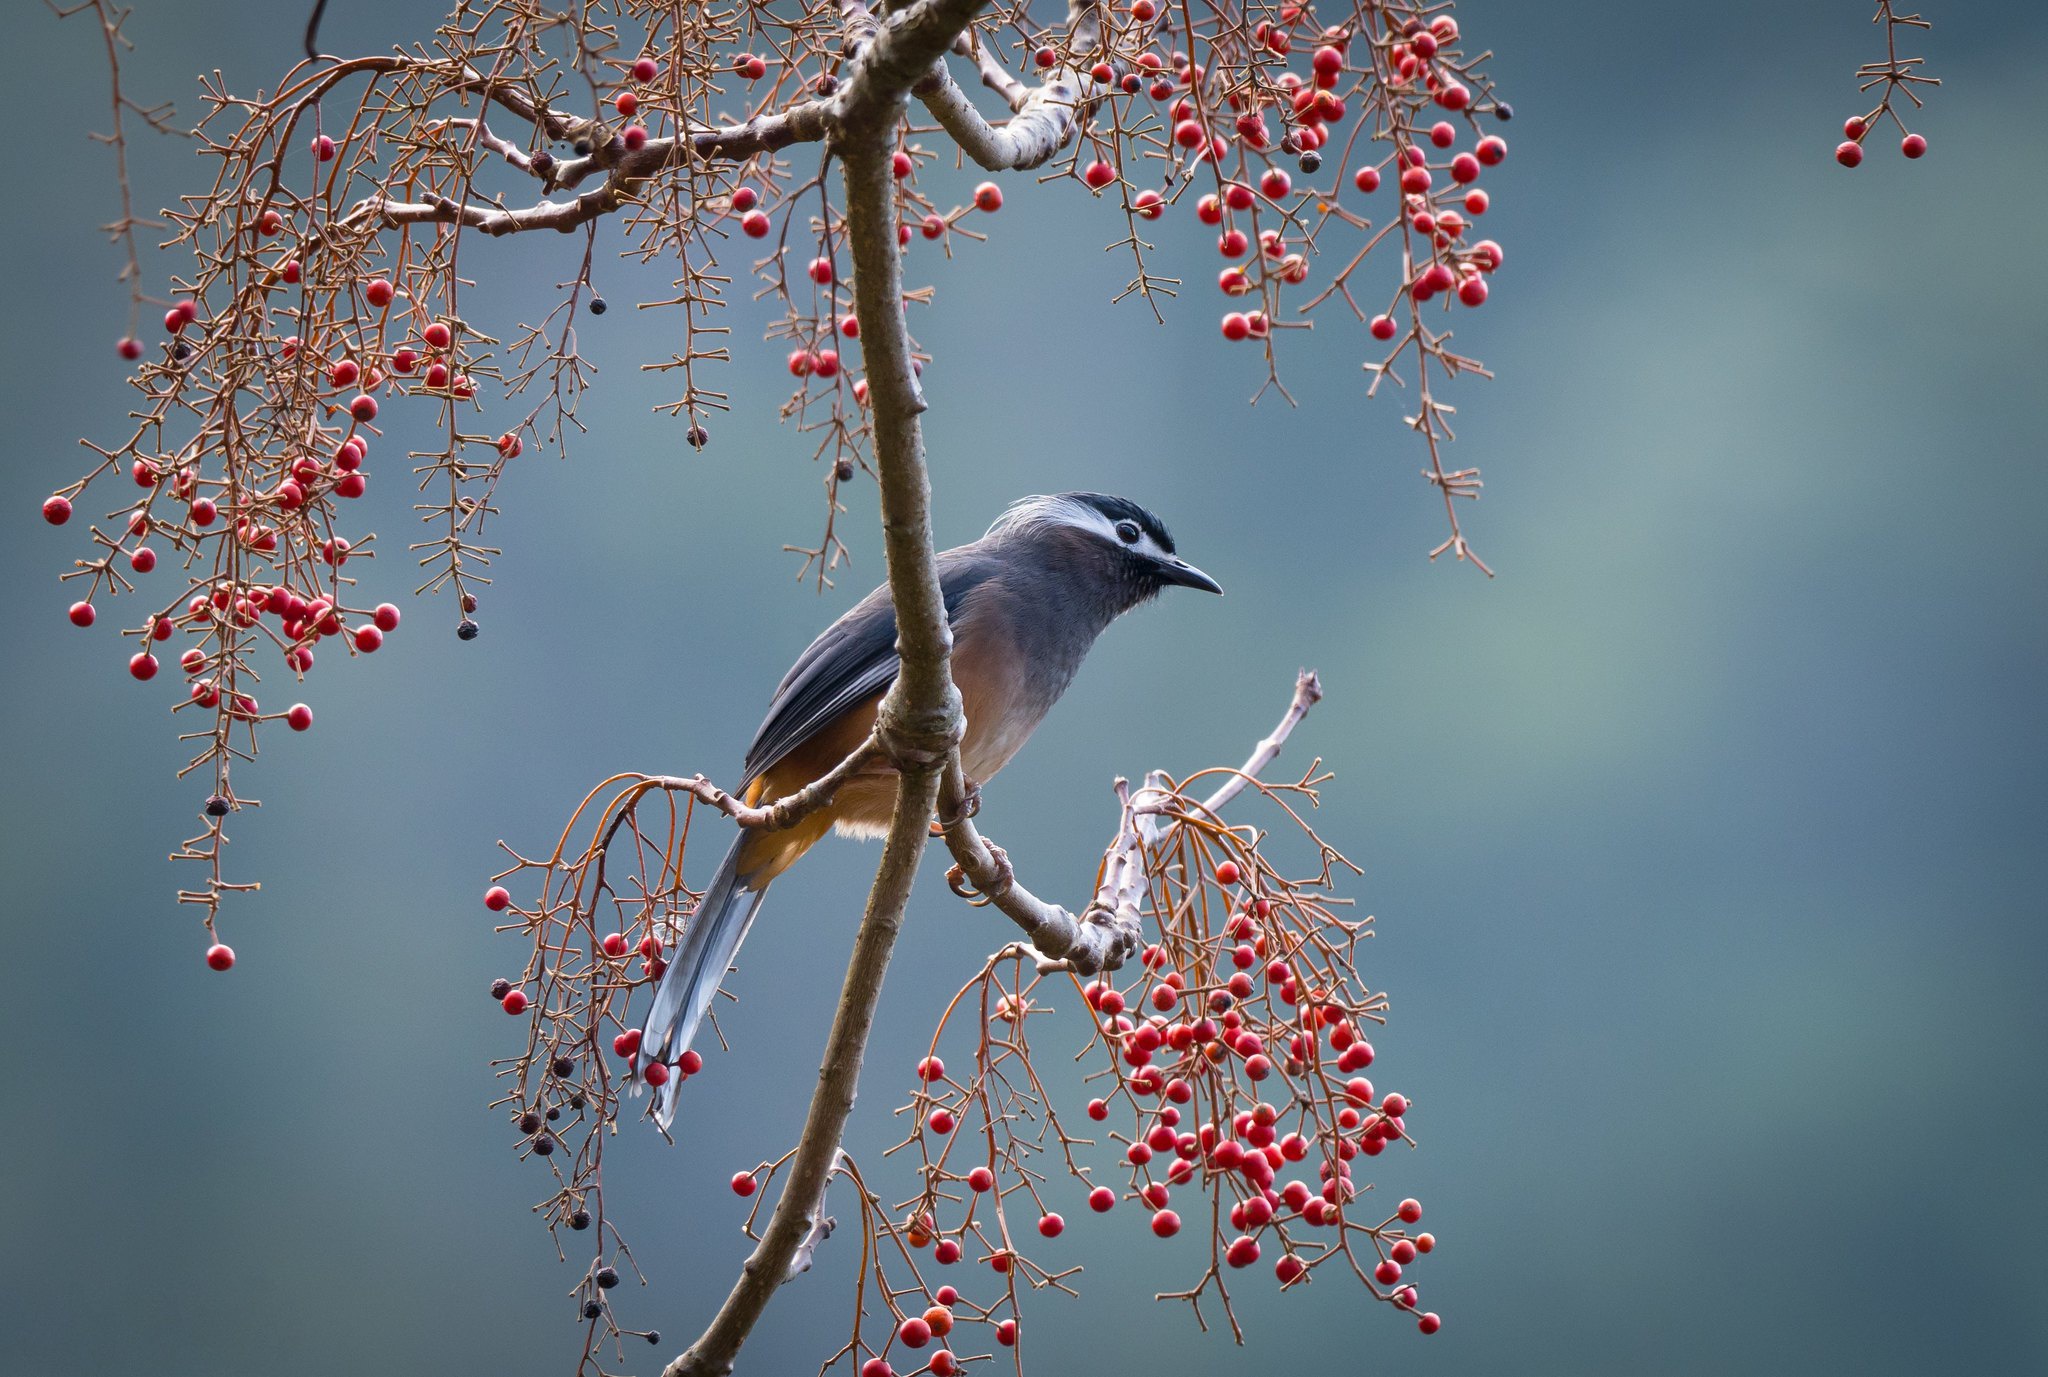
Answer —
1187 576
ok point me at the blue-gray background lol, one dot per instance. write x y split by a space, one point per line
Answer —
1705 842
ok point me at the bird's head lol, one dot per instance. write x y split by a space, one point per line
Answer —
1111 540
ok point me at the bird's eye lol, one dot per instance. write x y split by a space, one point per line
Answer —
1128 532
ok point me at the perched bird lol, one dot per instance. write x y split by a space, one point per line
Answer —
1026 601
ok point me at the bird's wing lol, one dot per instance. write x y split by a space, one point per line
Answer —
853 660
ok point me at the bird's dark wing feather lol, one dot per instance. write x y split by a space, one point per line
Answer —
853 660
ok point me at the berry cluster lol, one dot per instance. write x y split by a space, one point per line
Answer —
1894 76
1275 127
1231 1058
595 939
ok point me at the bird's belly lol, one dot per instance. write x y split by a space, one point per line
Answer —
863 806
985 749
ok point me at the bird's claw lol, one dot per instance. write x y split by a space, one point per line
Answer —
956 878
970 805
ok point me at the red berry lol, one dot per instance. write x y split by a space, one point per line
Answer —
1913 145
654 1073
378 292
1275 183
142 665
1382 327
1402 1252
1429 1323
437 335
751 67
363 408
646 69
56 510
615 944
1288 1268
1472 291
1425 1243
1464 168
515 1002
744 198
1492 150
82 614
988 196
1102 1200
635 137
1149 205
1387 1273
1394 1106
1050 1225
323 148
981 1179
1166 1223
940 1122
220 956
626 1043
1849 153
821 270
1409 1210
299 717
1236 326
1189 134
914 1332
1227 873
1232 244
367 638
497 898
625 102
131 349
754 224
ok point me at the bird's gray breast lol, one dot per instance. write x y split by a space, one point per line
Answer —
1019 640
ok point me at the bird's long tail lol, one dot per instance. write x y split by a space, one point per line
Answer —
691 981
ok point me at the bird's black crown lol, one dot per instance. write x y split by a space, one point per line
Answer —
1123 509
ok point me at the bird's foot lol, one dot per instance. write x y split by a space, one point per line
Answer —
956 878
970 805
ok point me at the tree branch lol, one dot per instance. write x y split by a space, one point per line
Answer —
920 719
1046 116
1103 937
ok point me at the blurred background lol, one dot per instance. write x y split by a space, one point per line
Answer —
1705 842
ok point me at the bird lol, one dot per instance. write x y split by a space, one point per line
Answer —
1025 603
